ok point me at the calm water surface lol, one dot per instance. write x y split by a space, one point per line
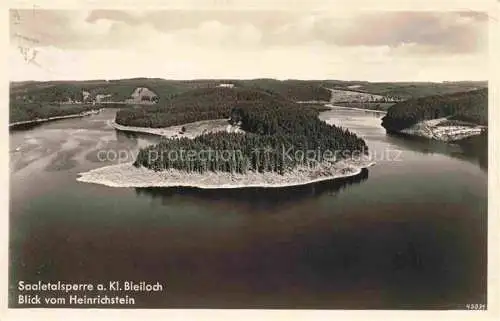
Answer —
409 233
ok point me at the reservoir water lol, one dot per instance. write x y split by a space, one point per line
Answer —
408 233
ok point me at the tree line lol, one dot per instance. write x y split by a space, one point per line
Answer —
25 111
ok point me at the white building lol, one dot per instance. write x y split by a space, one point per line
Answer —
226 85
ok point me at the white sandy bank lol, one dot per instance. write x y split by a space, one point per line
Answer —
192 130
127 175
433 130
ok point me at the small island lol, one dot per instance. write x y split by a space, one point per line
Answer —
233 138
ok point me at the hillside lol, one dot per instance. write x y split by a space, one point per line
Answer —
446 117
196 105
469 106
351 96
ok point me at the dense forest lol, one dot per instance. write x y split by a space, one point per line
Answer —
296 90
21 111
195 105
279 137
471 106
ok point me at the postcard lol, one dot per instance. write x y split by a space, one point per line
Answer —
222 157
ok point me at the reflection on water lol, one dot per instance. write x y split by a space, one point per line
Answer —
474 149
254 197
126 136
367 124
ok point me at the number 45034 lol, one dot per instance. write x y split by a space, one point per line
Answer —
476 306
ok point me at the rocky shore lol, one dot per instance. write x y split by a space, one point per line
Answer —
434 129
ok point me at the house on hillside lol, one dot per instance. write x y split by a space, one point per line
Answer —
142 95
86 96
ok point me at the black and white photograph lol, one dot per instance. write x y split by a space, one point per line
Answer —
270 159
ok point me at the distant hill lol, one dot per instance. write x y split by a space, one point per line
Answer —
292 89
406 90
469 106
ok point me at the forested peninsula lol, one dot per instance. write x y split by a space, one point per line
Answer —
280 143
276 136
450 117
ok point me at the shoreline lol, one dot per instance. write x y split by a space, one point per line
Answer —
431 129
355 108
193 129
312 101
126 175
43 120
